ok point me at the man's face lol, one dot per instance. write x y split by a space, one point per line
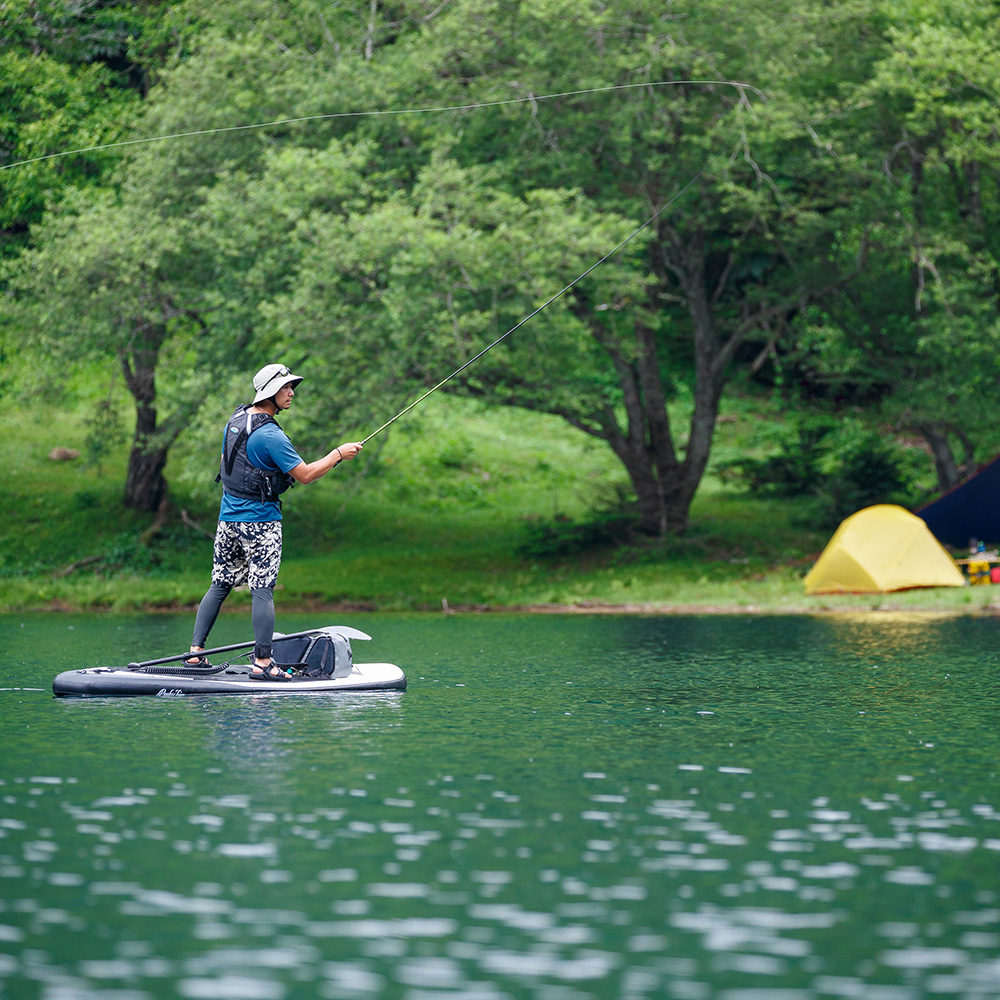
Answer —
283 397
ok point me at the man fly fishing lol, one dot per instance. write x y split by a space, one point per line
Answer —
258 464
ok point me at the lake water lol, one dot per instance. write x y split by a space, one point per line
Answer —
559 807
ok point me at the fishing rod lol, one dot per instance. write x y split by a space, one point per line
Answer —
531 315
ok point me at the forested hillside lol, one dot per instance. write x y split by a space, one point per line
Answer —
372 192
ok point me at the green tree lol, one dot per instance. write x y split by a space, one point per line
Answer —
394 245
919 334
72 76
121 286
748 245
126 273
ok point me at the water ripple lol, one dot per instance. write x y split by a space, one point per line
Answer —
738 809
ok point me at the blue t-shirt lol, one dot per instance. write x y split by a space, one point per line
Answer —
269 449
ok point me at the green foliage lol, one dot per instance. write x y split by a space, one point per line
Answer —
85 31
105 432
916 333
865 469
609 523
844 465
841 219
455 452
795 469
47 106
72 76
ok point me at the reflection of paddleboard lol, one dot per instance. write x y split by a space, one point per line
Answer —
169 677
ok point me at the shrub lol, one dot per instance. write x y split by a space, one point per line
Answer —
843 466
611 522
867 468
793 470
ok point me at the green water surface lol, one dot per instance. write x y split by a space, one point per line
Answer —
561 807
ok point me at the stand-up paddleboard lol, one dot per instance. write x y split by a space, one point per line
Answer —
325 665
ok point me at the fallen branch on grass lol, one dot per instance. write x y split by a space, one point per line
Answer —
74 566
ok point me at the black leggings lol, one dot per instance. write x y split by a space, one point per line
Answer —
261 615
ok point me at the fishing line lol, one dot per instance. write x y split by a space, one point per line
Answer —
547 302
741 87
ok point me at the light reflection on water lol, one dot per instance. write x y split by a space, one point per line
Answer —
580 807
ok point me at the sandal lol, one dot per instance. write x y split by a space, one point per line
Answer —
200 662
271 672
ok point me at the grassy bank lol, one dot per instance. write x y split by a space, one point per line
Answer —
461 509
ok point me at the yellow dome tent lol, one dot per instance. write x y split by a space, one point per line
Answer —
879 549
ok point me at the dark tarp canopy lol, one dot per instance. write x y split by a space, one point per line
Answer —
970 510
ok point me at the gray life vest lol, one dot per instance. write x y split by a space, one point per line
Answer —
238 475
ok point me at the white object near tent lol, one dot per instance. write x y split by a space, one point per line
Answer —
879 549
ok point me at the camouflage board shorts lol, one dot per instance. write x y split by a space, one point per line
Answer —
247 552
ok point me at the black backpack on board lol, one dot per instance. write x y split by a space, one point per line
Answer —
323 654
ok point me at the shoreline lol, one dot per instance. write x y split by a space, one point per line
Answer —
863 604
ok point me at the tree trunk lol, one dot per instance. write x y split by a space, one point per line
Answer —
949 472
145 484
944 458
666 491
665 484
646 435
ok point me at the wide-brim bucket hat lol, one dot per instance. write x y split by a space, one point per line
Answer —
270 379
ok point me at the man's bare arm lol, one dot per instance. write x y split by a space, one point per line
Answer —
309 472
